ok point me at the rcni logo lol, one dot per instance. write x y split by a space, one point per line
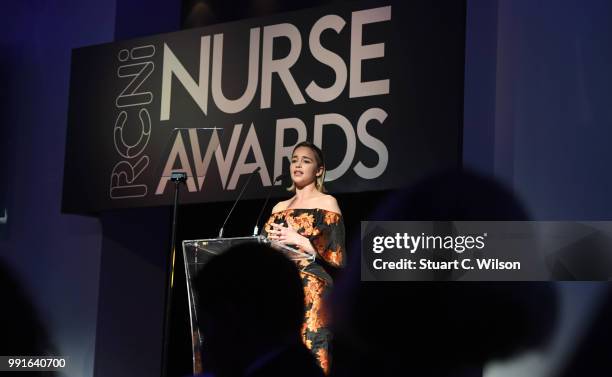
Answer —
135 68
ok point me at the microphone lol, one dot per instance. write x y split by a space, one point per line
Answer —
238 199
256 228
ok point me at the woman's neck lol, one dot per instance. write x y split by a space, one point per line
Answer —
306 192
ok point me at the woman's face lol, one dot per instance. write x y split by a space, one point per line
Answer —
303 167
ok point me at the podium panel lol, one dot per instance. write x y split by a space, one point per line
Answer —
196 254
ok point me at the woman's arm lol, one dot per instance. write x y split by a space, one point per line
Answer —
330 244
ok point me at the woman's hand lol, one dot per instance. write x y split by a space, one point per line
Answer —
289 236
285 235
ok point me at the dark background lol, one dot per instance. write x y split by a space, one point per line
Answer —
537 116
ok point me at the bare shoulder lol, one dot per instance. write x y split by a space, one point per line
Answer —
280 206
328 203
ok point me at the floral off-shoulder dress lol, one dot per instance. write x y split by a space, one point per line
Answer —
325 230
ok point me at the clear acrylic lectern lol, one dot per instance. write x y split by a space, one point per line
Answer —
196 254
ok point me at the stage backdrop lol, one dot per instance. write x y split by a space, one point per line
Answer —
379 86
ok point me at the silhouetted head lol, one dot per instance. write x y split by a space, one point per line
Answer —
457 194
22 330
250 301
437 328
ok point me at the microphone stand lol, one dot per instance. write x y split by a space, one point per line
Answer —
177 178
256 227
238 199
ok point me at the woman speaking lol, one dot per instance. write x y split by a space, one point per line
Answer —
312 222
